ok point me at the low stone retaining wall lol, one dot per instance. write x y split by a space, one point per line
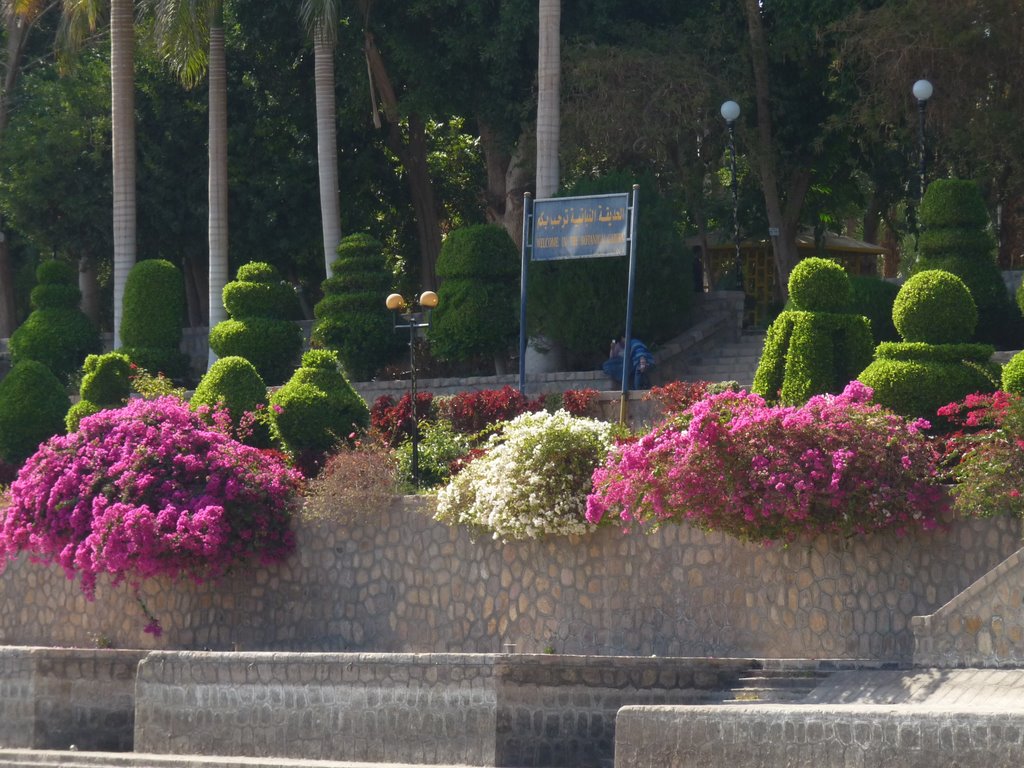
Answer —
51 698
393 580
799 736
477 709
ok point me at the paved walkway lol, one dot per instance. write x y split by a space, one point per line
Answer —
1000 690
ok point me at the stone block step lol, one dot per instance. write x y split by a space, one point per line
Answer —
33 758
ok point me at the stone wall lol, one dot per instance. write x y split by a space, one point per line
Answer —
394 580
51 698
476 709
801 736
983 626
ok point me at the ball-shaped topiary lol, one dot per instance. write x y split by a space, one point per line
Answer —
953 203
477 311
819 285
1013 375
261 330
935 307
105 384
234 384
317 408
153 315
57 333
351 317
32 408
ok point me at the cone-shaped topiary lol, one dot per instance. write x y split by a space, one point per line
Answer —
234 384
57 333
317 408
477 311
817 347
105 384
154 312
351 317
32 408
955 237
262 308
933 366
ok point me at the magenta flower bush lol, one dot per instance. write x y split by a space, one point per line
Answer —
149 490
834 465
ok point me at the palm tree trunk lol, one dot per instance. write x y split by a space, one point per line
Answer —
15 46
327 145
549 79
122 111
218 172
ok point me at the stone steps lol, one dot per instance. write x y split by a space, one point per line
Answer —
736 361
768 686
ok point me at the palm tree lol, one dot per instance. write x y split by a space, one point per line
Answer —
78 16
192 35
549 76
320 17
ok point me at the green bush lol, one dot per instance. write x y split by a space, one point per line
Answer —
581 304
57 333
1013 375
316 408
819 285
956 237
234 384
153 315
873 298
259 330
935 307
478 299
351 317
438 449
105 384
32 408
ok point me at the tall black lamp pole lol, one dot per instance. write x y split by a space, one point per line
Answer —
731 111
922 92
416 316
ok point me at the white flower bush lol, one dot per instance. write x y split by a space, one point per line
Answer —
533 479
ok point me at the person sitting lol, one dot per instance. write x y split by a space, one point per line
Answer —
641 362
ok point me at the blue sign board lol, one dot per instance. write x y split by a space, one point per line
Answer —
580 227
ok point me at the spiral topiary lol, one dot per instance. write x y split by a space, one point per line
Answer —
105 384
234 384
261 307
935 314
316 409
57 333
154 312
351 317
32 408
819 285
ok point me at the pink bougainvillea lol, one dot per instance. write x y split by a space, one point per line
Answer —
834 465
149 490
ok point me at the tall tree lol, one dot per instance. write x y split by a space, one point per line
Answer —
549 89
320 17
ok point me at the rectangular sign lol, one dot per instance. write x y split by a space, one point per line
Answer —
580 227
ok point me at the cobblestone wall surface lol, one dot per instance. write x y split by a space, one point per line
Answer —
394 580
981 627
476 709
51 698
817 737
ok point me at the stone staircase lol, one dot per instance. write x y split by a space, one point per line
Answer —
766 686
733 361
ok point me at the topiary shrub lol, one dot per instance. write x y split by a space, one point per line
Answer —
1013 375
478 297
316 409
57 333
105 384
934 313
261 307
234 384
152 319
32 408
351 317
813 351
581 304
873 298
956 237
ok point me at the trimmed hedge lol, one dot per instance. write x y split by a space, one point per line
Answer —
1013 375
33 404
873 298
935 307
235 384
819 285
106 383
154 312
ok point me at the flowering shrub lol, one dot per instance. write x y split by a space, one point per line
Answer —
392 421
834 465
440 453
579 402
149 490
677 396
986 454
470 412
532 480
355 480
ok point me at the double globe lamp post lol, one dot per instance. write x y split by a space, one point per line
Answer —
416 316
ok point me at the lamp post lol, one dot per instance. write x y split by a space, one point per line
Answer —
416 316
922 91
730 112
